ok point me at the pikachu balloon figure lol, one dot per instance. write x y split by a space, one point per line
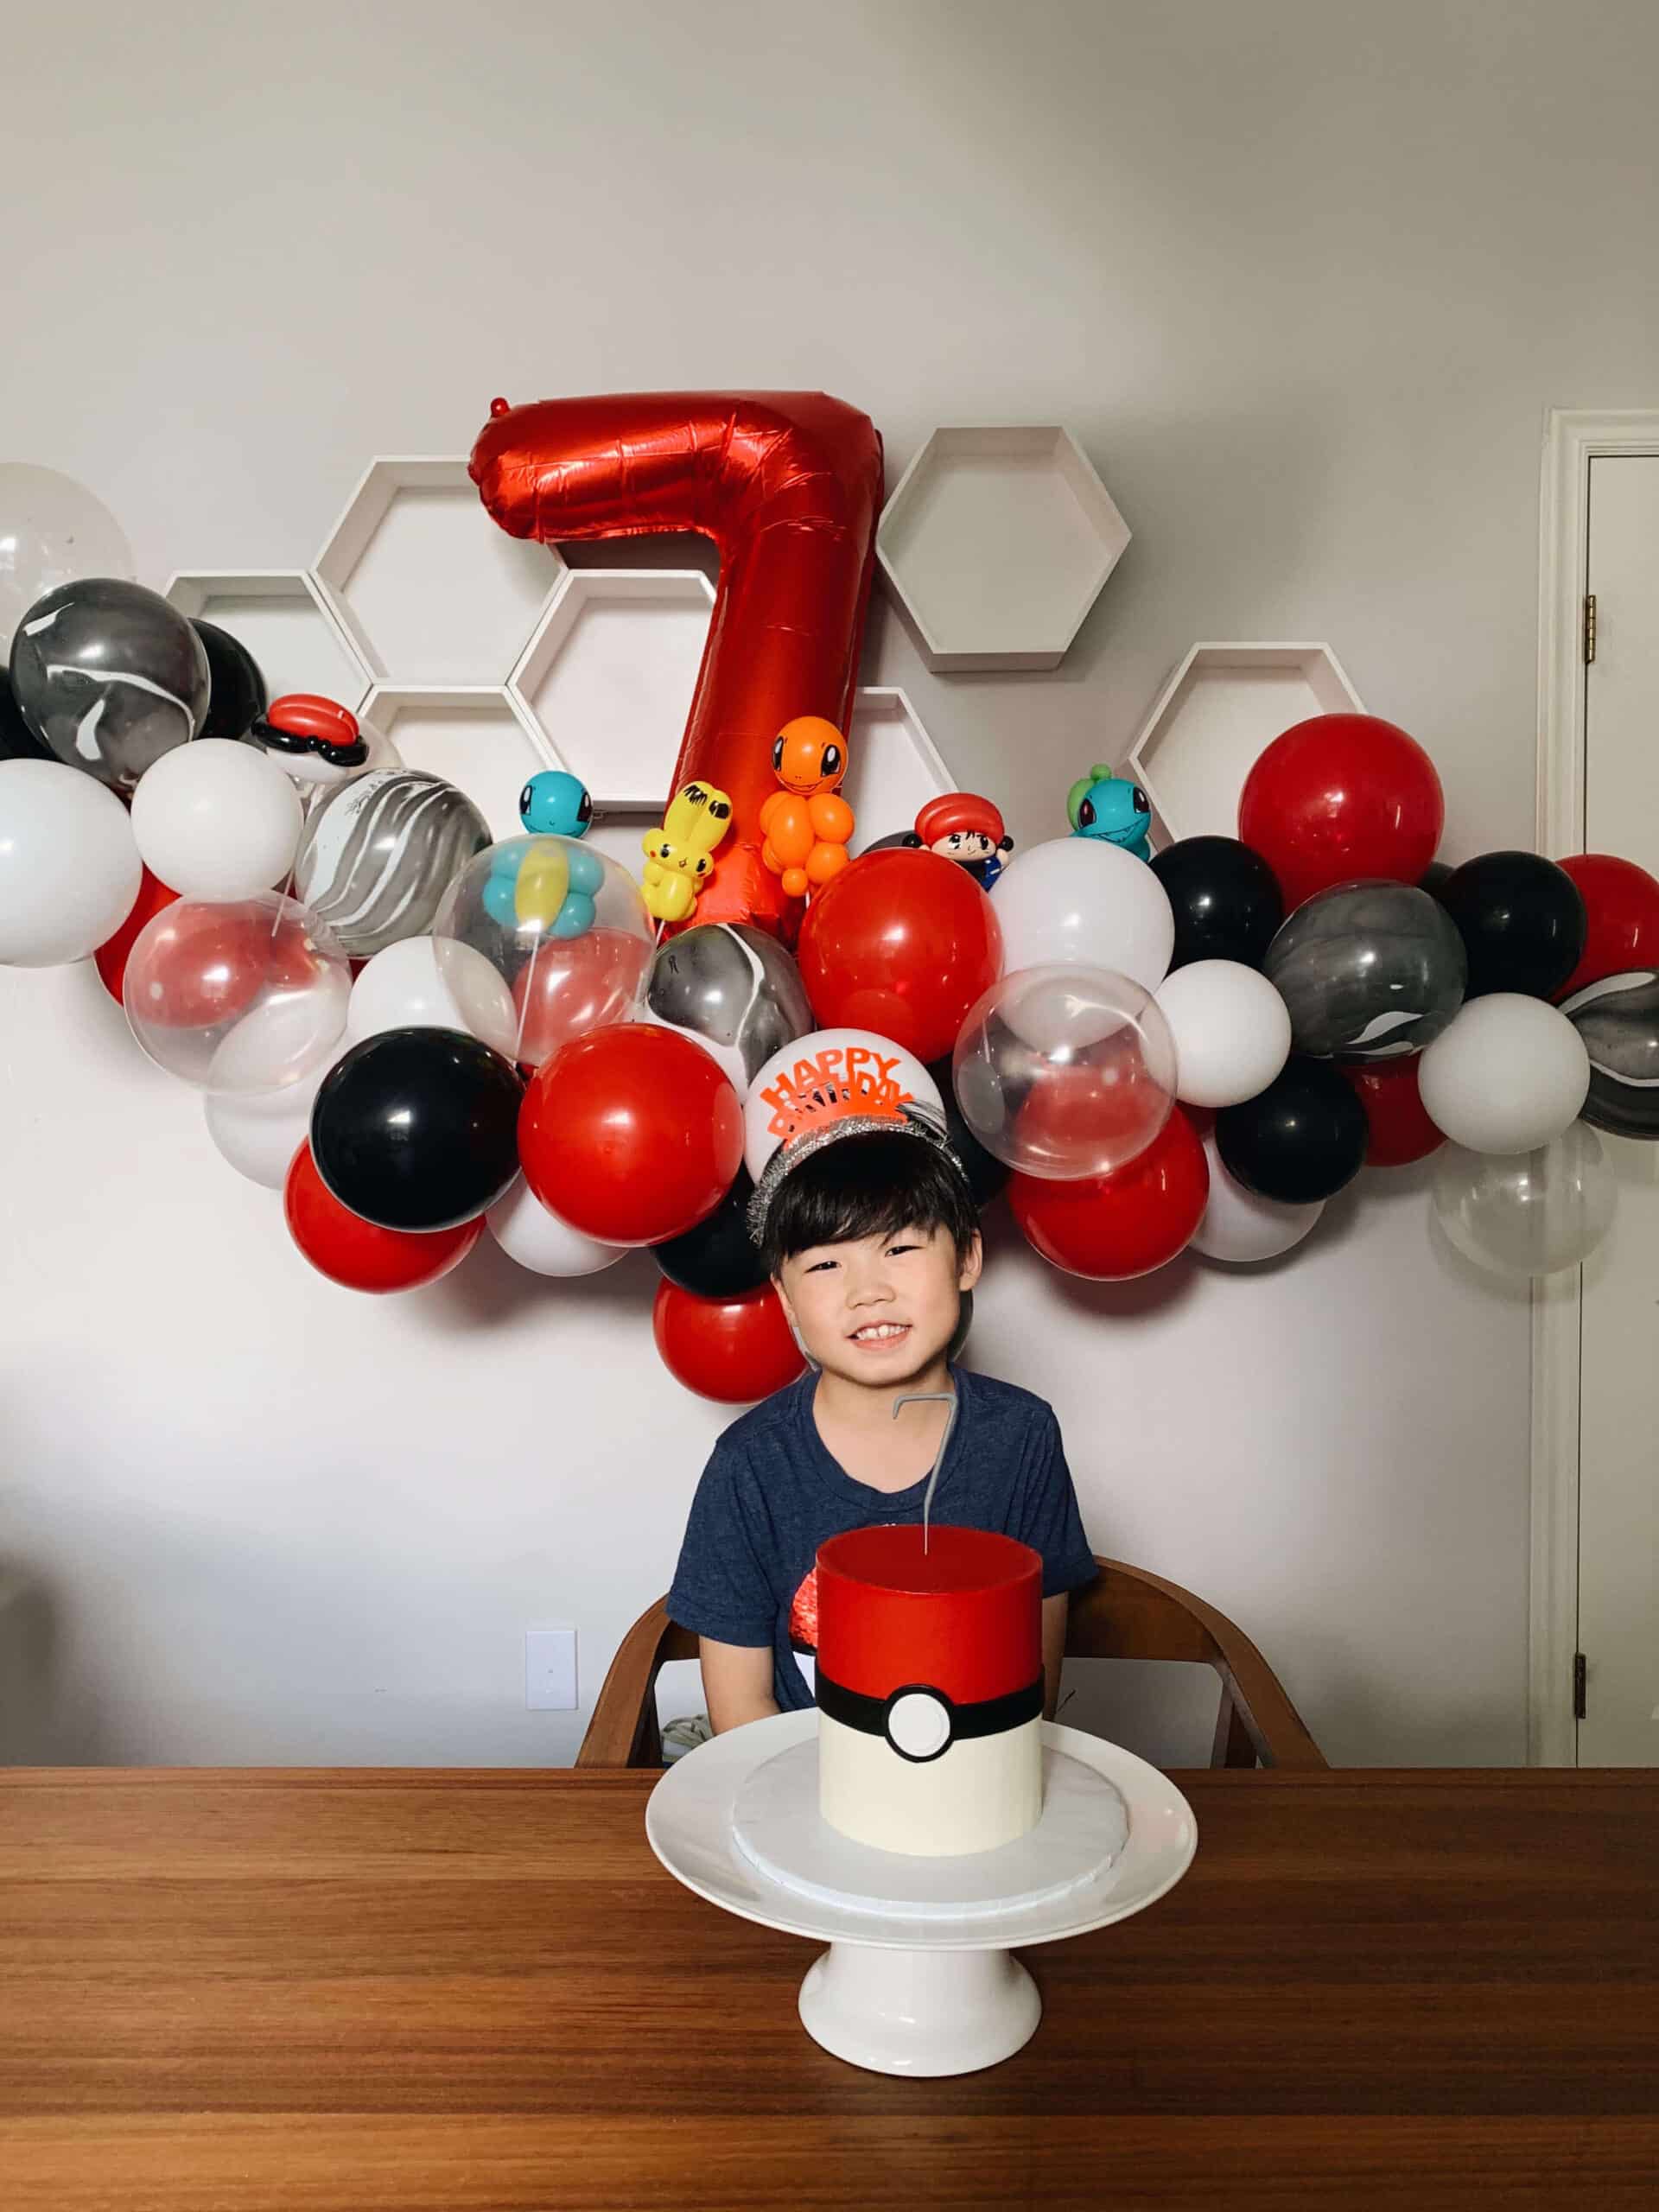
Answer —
678 855
807 824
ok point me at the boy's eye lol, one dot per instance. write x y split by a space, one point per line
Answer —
911 1247
817 1267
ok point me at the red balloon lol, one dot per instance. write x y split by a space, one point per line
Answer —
355 1252
1399 1128
632 1134
902 943
1622 903
788 485
208 962
1338 797
735 1350
110 958
1112 1228
576 984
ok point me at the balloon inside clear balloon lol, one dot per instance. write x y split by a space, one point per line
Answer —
1064 1072
247 995
563 926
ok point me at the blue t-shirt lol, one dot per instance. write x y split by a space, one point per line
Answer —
772 1492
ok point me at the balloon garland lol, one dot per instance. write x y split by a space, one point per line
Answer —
422 1037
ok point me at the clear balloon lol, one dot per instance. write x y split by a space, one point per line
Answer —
52 531
247 995
1509 1074
405 987
564 927
217 820
1528 1213
1064 1072
1087 904
69 869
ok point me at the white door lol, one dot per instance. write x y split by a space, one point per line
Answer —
1619 1488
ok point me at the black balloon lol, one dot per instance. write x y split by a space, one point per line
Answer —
718 1258
418 1128
1435 877
17 740
1226 899
1618 1020
986 1174
1300 1141
236 697
1521 920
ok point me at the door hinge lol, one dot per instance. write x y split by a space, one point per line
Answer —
1578 1686
1589 627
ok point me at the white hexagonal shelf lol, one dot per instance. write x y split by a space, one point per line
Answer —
997 542
285 623
1222 707
894 768
476 738
425 585
606 680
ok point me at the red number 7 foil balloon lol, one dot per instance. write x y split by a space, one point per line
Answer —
788 485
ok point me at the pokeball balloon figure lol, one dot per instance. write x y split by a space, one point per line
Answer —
555 803
1111 809
677 854
968 830
807 824
320 742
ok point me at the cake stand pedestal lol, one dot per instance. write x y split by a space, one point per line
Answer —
920 1977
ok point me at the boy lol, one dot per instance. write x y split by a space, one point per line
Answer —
870 1235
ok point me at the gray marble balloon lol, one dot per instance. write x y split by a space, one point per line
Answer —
1618 1020
110 676
1370 971
379 853
735 989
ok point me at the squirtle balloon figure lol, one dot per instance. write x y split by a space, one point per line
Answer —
679 853
555 804
807 824
1112 811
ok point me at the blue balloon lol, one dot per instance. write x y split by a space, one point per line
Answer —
575 915
500 894
586 871
555 804
1112 811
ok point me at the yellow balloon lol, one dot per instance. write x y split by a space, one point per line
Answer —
543 878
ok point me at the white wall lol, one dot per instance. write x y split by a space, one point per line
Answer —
1304 279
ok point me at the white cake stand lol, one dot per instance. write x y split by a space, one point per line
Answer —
920 1976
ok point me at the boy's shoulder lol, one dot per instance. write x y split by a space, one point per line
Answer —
766 1426
995 1400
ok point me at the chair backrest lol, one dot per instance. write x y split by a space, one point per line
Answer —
1125 1613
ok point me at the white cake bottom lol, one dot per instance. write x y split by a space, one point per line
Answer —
982 1792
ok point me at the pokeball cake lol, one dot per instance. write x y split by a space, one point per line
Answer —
930 1688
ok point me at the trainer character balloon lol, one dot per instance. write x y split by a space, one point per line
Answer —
1370 971
555 803
960 826
731 988
110 676
1618 1020
380 852
1112 809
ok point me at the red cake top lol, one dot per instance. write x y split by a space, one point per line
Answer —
963 1616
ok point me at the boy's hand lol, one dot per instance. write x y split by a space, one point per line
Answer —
737 1682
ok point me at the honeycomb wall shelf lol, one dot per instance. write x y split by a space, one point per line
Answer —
997 542
1219 710
285 622
475 737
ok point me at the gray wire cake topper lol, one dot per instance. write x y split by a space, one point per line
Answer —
931 1398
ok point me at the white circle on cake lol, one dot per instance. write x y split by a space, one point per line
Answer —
918 1724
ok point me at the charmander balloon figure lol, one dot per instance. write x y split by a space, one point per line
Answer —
555 804
961 826
677 854
1111 809
807 824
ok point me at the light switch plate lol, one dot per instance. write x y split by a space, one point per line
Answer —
550 1669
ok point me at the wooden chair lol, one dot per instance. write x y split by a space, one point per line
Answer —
1125 1613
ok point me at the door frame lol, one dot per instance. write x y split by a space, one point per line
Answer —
1573 437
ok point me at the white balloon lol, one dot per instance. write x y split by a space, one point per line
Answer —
1239 1226
1082 903
1507 1076
1231 1030
823 1076
405 987
538 1240
260 1131
52 531
69 871
217 820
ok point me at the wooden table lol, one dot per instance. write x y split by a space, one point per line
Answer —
347 1991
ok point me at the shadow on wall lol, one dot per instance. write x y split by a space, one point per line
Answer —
42 1721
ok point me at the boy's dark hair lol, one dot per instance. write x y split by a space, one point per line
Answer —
868 1186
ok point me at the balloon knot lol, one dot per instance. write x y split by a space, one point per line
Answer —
498 407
